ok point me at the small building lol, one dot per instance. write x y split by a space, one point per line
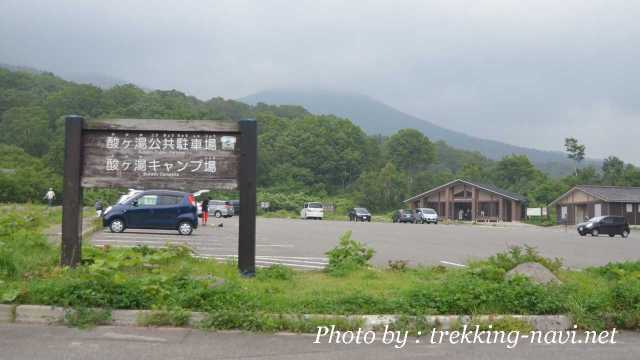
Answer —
587 201
470 201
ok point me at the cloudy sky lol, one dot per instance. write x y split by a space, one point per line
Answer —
524 72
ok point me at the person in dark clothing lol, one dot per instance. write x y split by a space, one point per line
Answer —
205 210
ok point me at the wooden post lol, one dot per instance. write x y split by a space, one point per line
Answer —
446 204
473 204
247 186
71 249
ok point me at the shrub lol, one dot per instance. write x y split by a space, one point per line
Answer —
516 255
349 255
398 265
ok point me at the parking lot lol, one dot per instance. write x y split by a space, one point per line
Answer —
303 243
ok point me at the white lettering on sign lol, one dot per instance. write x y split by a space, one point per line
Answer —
150 146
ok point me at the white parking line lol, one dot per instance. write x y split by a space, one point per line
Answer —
452 263
275 258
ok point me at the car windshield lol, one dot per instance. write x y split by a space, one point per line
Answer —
407 212
362 211
315 205
597 218
124 198
428 211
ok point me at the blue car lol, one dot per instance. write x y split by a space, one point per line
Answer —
153 209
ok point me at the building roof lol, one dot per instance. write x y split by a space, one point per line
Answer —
607 193
486 187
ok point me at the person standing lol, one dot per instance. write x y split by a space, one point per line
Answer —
99 208
205 210
49 196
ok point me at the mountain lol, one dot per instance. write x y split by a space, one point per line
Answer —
376 117
95 79
99 80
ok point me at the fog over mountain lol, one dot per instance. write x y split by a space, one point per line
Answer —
524 73
376 117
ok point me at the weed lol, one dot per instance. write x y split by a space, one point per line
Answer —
348 256
86 318
164 317
398 265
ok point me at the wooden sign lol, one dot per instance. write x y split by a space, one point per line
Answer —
160 154
185 155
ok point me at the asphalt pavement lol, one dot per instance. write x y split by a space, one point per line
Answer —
35 342
303 243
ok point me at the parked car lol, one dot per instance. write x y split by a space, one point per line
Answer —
312 210
426 215
610 225
153 209
359 214
404 216
218 208
236 206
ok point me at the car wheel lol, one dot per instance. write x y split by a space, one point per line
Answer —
625 234
116 226
595 232
612 235
582 234
185 228
218 214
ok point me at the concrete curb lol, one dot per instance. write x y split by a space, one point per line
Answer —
39 314
7 313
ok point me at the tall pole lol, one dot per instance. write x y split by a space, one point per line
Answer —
71 248
247 185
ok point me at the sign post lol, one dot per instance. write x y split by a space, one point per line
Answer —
71 249
184 155
247 185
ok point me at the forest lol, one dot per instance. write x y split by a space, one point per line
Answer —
302 157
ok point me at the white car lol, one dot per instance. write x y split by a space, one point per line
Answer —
426 215
312 210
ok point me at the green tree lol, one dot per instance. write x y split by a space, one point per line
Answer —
613 171
27 128
409 150
517 173
382 190
575 151
631 175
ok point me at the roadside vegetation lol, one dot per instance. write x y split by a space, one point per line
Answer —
171 282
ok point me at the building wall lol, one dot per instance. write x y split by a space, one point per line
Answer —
476 198
617 209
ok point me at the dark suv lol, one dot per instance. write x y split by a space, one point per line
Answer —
153 209
359 214
610 225
404 216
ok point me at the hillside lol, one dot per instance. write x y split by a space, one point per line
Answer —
376 117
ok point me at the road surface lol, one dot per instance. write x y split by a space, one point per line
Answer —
36 342
303 243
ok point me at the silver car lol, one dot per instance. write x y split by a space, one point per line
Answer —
218 208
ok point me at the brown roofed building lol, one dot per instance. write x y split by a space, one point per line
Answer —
587 201
470 201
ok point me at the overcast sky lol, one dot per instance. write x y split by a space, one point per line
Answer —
524 72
